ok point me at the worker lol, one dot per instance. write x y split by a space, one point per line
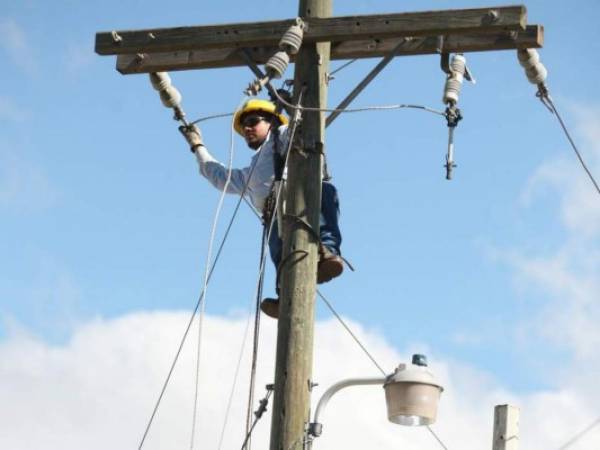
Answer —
266 132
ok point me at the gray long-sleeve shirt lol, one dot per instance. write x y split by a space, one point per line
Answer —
259 184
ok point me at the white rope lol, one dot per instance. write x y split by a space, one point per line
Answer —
206 276
260 275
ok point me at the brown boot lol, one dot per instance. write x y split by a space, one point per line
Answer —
270 306
330 265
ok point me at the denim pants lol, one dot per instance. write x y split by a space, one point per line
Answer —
329 231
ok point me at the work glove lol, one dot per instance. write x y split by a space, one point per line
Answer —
192 135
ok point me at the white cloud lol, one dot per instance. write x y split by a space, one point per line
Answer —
14 41
565 179
570 276
97 391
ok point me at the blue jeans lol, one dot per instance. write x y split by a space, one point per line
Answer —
329 231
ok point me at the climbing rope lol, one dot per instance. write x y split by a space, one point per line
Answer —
206 275
197 306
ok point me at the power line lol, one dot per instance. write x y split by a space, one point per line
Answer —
579 435
343 323
564 127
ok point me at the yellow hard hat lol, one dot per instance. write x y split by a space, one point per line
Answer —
255 105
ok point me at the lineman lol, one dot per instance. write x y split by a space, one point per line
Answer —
265 131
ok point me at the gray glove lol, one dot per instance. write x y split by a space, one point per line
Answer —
192 135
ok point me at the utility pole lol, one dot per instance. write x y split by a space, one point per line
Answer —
325 38
293 367
506 428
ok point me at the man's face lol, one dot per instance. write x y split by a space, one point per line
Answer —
256 127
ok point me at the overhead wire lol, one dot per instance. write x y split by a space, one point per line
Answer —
366 108
580 434
566 131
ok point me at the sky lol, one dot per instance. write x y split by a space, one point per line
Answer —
105 223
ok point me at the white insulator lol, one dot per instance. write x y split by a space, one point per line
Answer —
170 97
160 80
277 64
292 39
528 57
537 74
451 90
458 64
455 78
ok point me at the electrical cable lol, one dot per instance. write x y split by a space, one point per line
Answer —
437 438
579 435
215 116
360 344
196 307
366 108
562 124
206 275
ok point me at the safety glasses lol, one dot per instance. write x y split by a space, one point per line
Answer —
252 121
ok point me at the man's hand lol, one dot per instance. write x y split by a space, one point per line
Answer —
192 135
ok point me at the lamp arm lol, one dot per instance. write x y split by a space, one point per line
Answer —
341 385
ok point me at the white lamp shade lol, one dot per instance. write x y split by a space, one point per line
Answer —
412 395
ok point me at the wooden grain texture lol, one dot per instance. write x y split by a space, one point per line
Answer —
531 37
267 34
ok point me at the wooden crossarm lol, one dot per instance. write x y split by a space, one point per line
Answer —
333 29
531 37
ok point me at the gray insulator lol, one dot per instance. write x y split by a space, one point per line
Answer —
170 97
277 64
160 80
452 89
537 74
528 57
292 40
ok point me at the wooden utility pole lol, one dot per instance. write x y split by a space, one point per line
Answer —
506 428
293 367
325 38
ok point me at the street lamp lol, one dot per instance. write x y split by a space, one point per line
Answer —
412 395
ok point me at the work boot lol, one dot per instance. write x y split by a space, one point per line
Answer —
330 265
270 306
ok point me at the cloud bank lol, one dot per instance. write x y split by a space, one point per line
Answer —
97 391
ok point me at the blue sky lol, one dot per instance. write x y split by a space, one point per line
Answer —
104 215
